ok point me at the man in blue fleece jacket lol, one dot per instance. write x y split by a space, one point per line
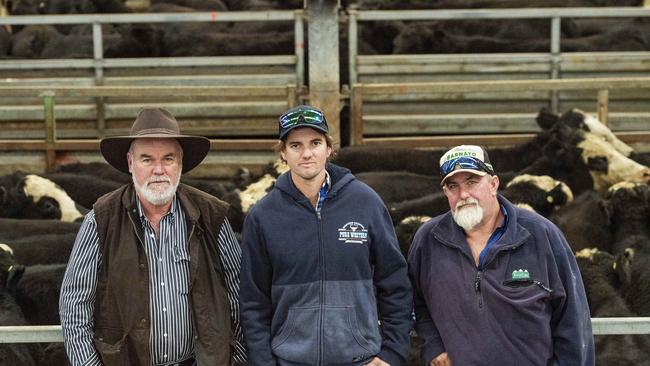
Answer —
323 281
495 284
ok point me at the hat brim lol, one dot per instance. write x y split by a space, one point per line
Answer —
473 171
114 149
315 127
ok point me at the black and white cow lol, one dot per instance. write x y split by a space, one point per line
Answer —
541 194
31 196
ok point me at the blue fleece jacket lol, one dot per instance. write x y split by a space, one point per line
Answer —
314 287
525 304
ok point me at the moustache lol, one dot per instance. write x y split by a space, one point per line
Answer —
159 180
469 201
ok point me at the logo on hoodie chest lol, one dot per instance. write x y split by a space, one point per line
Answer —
353 233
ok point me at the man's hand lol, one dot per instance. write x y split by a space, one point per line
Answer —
377 362
441 360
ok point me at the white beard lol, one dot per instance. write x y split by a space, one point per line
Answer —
469 216
154 196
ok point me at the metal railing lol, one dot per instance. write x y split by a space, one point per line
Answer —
50 145
554 15
99 63
449 88
52 333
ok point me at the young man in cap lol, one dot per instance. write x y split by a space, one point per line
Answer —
495 284
323 281
153 278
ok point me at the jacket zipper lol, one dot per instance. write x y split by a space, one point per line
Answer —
479 271
477 288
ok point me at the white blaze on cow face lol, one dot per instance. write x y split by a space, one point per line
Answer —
587 253
38 187
543 182
415 220
256 190
6 248
619 167
598 128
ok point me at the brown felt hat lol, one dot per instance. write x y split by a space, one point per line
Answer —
157 123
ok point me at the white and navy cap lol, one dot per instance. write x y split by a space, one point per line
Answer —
465 158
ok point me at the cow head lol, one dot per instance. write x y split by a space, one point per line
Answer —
578 119
629 204
33 197
10 271
585 160
542 194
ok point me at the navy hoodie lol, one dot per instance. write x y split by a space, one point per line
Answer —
525 304
323 289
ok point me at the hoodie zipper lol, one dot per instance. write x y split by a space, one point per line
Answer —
321 250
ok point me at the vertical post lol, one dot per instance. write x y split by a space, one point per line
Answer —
299 38
603 106
555 60
292 96
356 114
50 130
323 36
98 55
352 45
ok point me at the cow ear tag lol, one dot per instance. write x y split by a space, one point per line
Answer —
520 274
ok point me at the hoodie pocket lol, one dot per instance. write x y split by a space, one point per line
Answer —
342 342
297 340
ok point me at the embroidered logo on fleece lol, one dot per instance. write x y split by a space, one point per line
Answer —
353 232
520 274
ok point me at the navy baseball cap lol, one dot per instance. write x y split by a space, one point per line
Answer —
302 116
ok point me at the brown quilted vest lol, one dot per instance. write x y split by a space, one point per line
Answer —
121 316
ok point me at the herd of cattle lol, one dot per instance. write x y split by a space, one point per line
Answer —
574 171
216 39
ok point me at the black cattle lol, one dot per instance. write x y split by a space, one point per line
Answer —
600 281
100 170
11 313
199 5
541 194
37 293
83 189
31 40
586 222
629 208
19 228
42 249
406 229
634 273
432 205
400 186
31 196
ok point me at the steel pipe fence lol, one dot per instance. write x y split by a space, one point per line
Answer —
52 333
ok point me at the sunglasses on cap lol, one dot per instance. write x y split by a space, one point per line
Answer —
464 162
309 116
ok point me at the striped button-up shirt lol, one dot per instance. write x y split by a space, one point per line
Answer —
168 258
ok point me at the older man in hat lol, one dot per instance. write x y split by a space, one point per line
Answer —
153 278
495 284
321 268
